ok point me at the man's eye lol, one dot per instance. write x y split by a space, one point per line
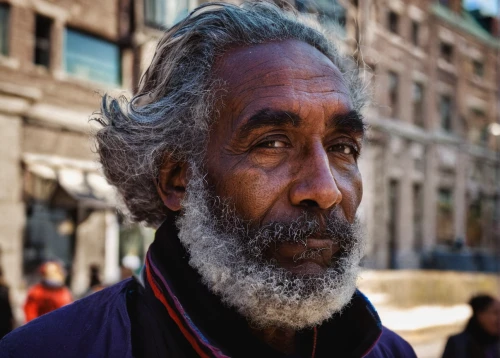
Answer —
343 148
273 144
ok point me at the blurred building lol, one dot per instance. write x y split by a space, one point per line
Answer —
56 58
431 166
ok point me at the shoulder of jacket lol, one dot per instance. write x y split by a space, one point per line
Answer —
391 344
74 330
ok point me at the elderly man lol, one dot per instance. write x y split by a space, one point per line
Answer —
241 145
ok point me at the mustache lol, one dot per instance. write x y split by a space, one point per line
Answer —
331 227
255 240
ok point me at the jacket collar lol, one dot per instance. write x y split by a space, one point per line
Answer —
215 330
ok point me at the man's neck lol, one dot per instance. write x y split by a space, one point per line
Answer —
281 339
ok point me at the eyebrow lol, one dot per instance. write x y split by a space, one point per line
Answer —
351 121
269 118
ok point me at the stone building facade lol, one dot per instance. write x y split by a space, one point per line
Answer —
56 58
431 163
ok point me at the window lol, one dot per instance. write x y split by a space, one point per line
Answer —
4 29
331 11
418 211
496 208
447 52
414 32
478 68
91 58
393 22
418 104
164 13
394 195
444 223
474 222
49 235
484 135
393 93
445 109
304 6
328 11
478 130
42 40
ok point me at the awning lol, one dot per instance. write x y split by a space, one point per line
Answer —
81 179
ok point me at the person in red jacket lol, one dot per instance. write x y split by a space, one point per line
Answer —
49 294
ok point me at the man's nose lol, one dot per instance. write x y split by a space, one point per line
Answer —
315 185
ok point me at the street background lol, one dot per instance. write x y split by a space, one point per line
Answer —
430 165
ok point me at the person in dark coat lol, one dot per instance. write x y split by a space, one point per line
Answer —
6 315
481 336
241 147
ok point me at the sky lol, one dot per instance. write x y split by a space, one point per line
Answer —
489 7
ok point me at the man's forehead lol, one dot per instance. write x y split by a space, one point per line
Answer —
278 63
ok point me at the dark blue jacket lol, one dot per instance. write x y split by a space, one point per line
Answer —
127 320
99 326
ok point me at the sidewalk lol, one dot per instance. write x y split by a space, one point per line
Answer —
426 328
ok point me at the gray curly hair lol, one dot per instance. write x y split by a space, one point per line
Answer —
173 109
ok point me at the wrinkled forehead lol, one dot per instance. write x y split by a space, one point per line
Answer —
282 63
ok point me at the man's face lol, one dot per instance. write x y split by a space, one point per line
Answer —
286 143
269 217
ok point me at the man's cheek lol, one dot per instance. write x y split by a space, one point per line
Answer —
251 191
352 192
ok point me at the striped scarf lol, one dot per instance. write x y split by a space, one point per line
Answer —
163 292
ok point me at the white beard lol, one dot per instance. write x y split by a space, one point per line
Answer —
263 293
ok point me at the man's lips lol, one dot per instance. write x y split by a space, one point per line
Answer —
313 243
312 257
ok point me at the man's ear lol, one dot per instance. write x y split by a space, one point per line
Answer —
171 183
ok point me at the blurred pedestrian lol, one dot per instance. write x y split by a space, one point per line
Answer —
95 283
481 336
6 316
131 265
50 293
